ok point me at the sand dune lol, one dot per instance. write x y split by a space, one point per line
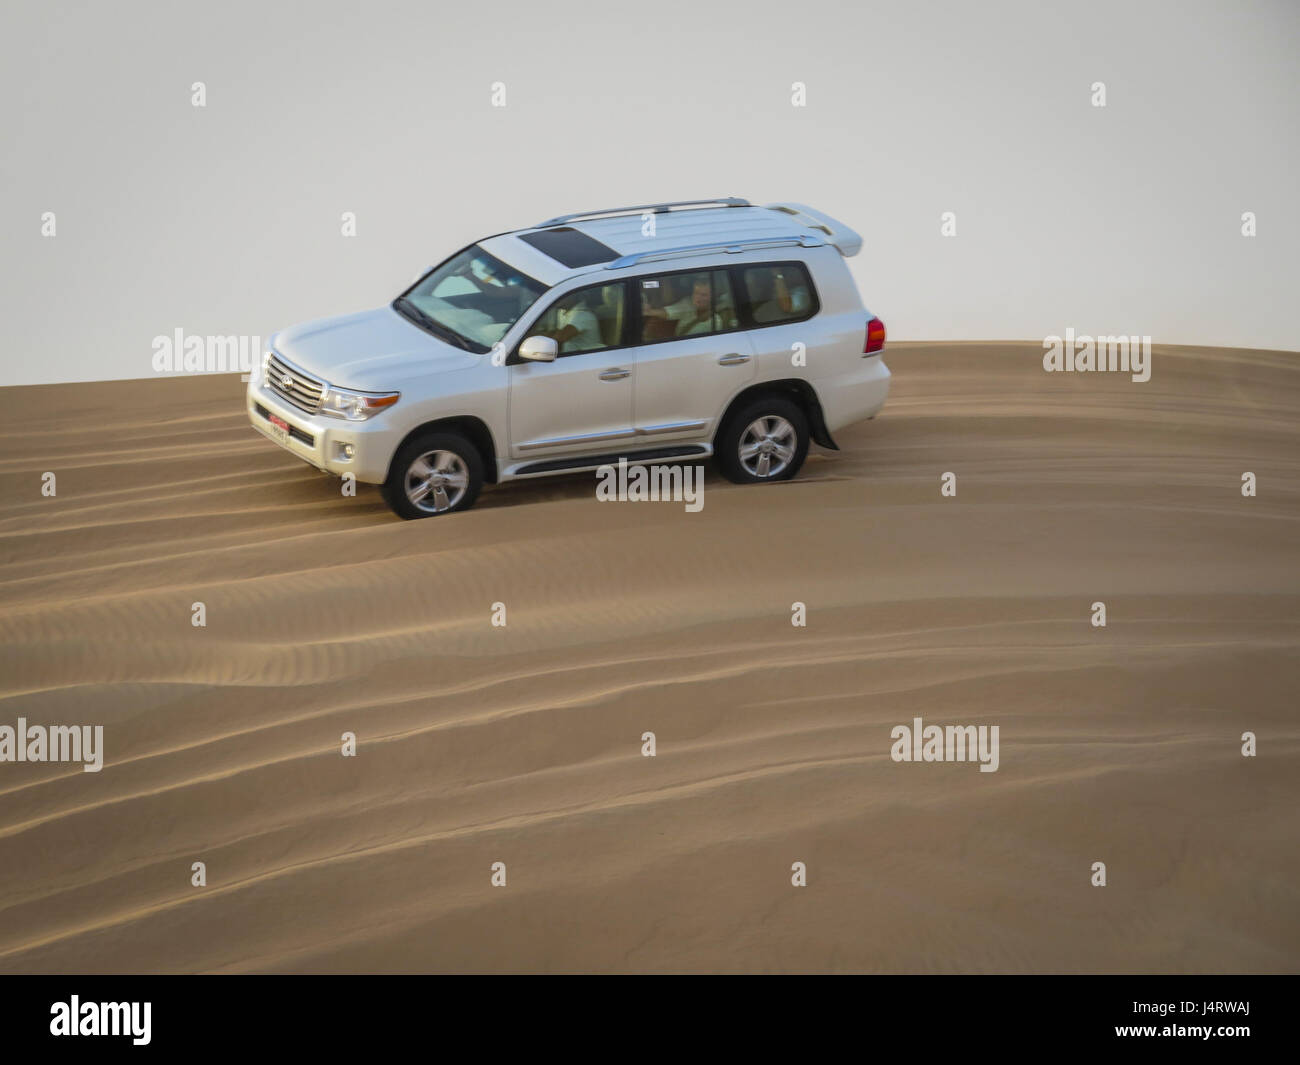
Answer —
522 744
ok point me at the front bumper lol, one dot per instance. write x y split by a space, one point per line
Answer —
322 441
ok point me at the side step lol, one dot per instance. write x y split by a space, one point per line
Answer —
611 458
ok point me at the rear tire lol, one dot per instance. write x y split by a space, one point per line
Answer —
765 440
433 474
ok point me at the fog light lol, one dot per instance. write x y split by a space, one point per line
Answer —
344 452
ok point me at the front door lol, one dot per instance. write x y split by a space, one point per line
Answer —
581 402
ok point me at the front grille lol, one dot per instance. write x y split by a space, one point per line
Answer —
302 390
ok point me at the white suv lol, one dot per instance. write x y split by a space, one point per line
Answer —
668 331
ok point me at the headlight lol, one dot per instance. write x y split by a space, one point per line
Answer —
355 406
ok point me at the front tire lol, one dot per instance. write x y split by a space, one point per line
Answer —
432 475
765 440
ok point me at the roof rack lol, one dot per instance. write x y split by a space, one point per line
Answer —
657 208
730 246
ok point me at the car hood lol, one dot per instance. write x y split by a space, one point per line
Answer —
372 350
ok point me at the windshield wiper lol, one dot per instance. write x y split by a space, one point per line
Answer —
405 307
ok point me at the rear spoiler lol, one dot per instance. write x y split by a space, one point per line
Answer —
835 233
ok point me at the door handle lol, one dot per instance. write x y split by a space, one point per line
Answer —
734 359
616 374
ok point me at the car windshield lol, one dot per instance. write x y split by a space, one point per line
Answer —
470 300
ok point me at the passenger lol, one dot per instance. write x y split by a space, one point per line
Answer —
656 298
692 313
508 298
774 300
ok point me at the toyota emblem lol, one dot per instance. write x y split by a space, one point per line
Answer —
287 381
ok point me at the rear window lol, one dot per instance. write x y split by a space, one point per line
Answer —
778 292
569 247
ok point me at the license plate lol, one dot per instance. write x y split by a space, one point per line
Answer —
279 429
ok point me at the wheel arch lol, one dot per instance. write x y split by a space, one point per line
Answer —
795 388
474 429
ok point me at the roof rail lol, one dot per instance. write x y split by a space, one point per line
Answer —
731 247
657 208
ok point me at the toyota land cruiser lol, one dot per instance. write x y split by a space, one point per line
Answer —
669 331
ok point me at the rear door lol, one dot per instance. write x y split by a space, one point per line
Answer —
692 356
777 301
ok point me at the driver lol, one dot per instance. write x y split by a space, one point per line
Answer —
576 325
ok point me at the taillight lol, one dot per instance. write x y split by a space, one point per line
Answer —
875 337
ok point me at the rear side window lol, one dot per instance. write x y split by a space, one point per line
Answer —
590 319
691 303
778 292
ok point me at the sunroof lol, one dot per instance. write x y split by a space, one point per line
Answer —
569 247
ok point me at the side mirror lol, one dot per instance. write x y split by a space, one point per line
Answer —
539 349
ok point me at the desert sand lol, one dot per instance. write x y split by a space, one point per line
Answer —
522 744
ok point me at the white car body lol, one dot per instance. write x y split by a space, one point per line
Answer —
659 400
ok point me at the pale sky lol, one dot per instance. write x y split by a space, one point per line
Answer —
226 219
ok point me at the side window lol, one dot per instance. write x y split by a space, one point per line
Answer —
589 319
686 304
780 292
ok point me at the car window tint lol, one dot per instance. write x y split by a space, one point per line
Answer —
590 319
777 293
691 303
474 295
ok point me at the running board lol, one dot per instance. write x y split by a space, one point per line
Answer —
611 458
